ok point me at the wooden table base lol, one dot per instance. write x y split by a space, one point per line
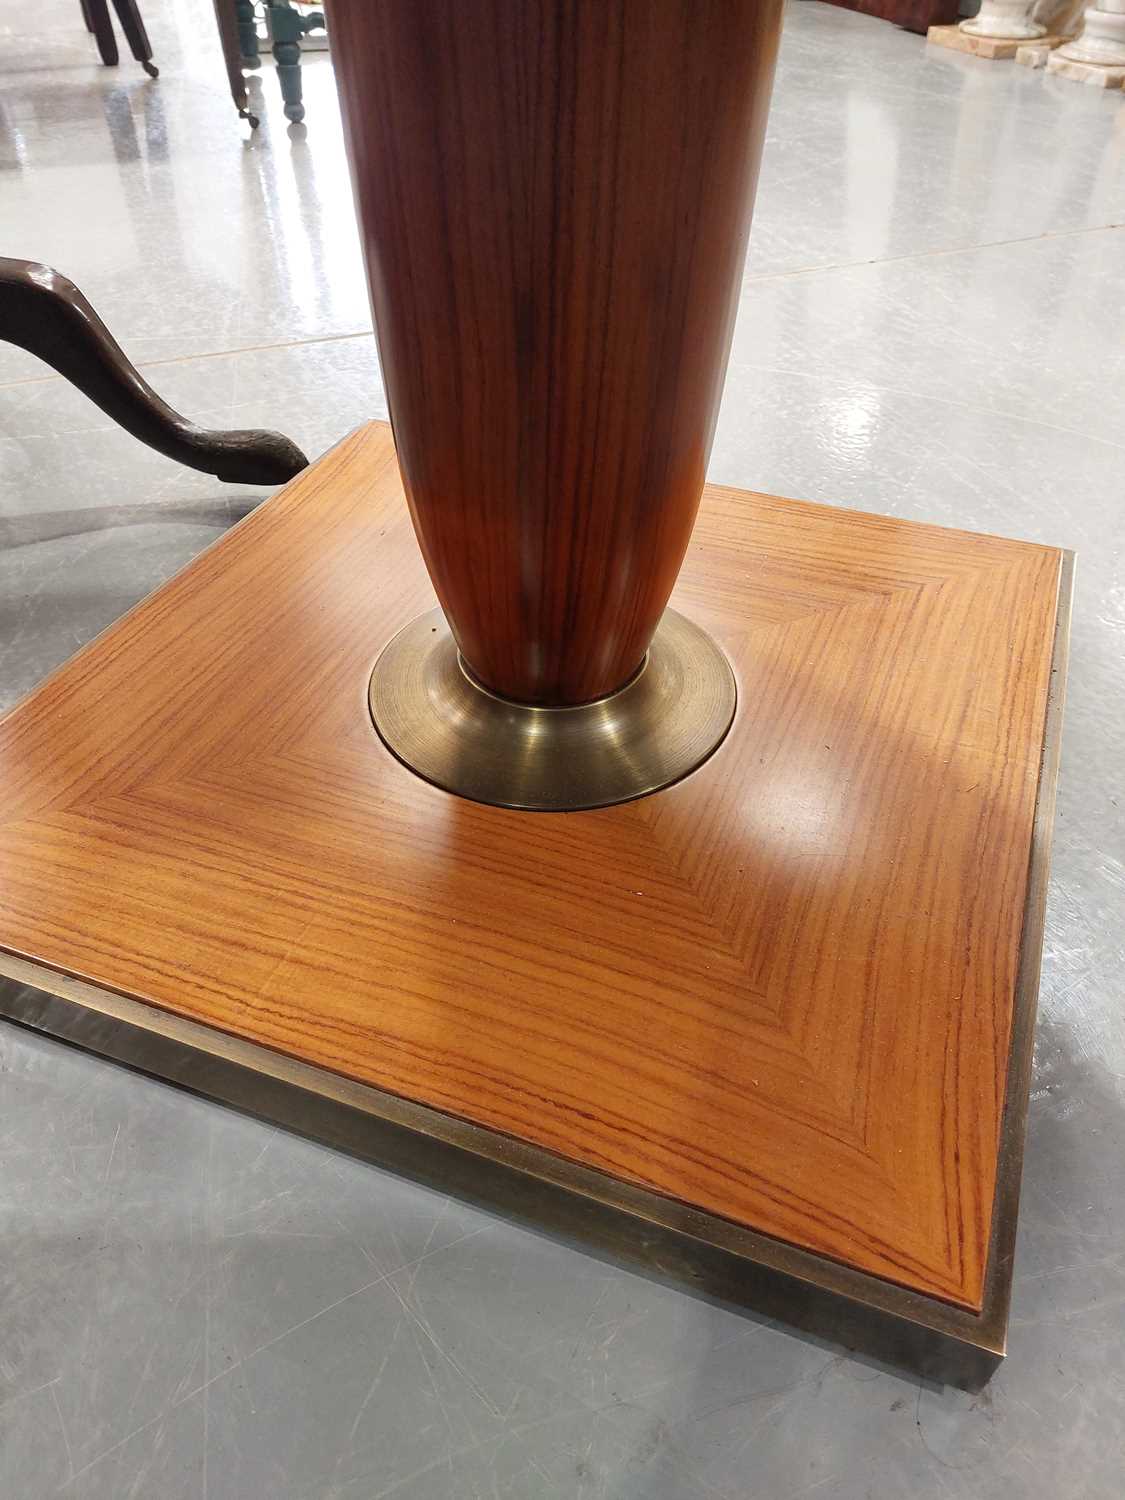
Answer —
784 1007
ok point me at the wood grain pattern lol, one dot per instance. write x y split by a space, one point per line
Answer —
554 202
780 990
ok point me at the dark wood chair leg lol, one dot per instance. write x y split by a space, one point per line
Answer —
133 26
45 313
232 57
86 14
102 27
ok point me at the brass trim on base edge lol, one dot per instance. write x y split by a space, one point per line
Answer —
399 1133
434 716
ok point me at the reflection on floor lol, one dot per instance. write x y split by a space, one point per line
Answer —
930 327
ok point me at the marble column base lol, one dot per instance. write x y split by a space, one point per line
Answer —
1101 41
1099 75
992 48
1004 20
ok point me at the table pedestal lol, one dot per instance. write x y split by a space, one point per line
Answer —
784 1006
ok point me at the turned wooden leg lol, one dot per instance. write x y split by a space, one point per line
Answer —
97 15
45 313
287 57
135 34
247 33
287 27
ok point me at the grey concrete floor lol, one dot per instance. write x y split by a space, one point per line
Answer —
193 1304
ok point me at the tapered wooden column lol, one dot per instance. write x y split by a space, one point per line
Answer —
554 202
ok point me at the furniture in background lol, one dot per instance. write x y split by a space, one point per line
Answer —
911 15
1097 54
782 1007
228 27
238 33
237 22
45 313
95 13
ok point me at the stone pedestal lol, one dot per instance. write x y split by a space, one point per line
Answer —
1097 54
784 1006
1004 20
991 48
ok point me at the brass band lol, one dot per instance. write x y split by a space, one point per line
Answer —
433 715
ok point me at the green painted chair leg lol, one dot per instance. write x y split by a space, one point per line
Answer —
287 56
247 34
287 27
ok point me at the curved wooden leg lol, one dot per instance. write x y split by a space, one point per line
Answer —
47 315
102 27
133 26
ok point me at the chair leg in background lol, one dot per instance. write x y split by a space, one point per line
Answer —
247 33
136 35
227 24
287 26
287 57
97 12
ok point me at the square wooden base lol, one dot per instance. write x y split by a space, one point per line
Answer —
784 1007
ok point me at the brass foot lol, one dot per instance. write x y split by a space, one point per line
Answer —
438 720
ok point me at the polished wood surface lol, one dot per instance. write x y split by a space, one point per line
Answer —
780 990
554 202
911 15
